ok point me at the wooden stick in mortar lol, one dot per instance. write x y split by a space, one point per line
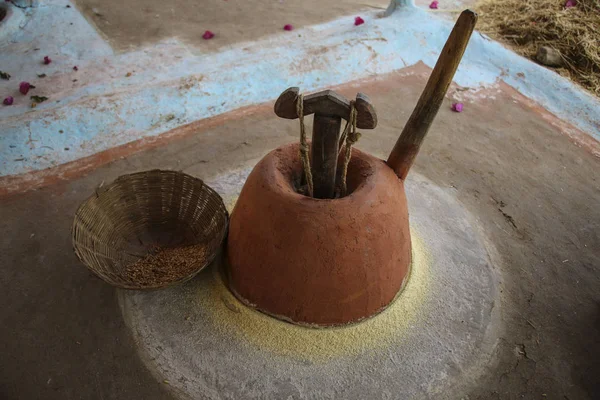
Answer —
406 148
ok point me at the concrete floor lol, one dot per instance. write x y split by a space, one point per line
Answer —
145 22
533 192
116 98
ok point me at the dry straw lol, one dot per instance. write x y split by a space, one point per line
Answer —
528 24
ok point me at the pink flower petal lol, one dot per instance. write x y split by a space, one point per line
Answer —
8 101
457 107
434 5
47 60
288 27
24 87
75 68
208 35
570 3
358 21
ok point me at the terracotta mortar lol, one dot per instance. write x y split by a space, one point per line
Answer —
322 261
319 261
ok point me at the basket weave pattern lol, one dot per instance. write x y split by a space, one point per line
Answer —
123 222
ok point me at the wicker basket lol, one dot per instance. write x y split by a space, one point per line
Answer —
126 221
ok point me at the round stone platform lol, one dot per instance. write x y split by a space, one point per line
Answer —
431 341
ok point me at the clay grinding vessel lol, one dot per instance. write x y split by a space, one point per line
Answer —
323 261
319 261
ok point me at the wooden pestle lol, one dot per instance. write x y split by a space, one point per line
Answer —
406 148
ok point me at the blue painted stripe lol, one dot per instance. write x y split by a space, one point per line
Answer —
158 99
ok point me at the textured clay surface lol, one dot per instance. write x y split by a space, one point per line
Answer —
313 261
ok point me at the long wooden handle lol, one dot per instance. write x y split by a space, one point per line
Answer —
406 148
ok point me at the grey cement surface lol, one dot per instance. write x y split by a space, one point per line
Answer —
439 329
532 192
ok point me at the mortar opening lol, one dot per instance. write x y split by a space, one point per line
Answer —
358 171
3 13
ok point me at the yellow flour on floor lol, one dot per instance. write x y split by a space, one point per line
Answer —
239 322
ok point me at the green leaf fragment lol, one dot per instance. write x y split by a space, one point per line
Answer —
39 99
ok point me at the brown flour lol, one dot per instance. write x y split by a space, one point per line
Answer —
167 265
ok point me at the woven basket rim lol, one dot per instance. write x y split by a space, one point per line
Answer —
102 189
